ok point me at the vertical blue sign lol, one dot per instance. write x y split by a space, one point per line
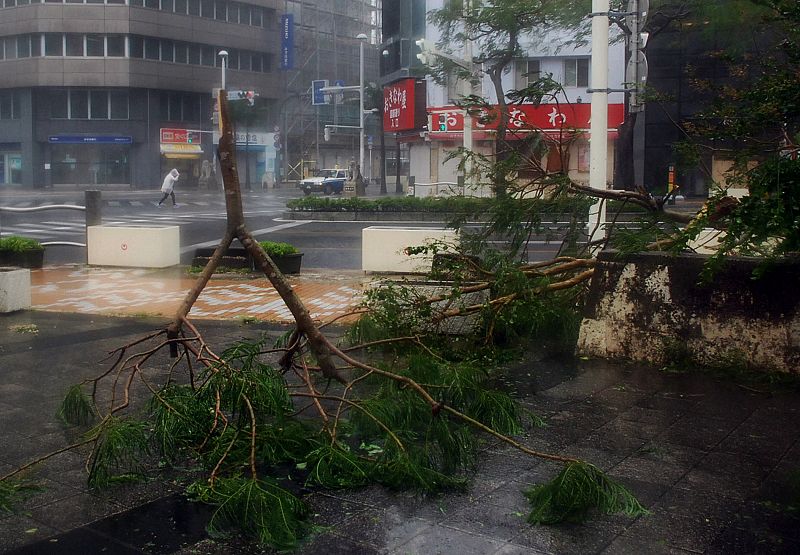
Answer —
287 41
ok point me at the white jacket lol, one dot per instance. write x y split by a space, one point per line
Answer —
169 181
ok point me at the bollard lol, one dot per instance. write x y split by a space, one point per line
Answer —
93 213
94 210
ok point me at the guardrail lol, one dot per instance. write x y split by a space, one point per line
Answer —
92 209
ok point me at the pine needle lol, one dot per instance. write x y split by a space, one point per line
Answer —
76 409
14 491
335 466
118 453
260 509
577 489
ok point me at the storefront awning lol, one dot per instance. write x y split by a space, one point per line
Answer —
170 150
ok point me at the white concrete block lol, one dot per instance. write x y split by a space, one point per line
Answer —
15 289
383 248
133 246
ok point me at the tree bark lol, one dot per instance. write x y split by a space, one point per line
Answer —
236 228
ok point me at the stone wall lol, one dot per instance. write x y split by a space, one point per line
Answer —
653 307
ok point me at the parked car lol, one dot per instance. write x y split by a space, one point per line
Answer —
326 181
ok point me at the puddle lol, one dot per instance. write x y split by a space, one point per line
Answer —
161 526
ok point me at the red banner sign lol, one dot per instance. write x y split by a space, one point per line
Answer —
528 117
404 105
179 136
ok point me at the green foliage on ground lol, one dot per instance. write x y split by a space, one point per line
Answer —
578 489
15 490
15 243
76 408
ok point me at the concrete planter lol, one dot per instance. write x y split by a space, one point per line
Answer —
289 263
33 258
383 248
15 289
133 246
234 257
238 257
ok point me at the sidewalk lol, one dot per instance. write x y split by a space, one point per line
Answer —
716 463
141 292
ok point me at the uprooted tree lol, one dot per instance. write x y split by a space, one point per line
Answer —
398 398
391 402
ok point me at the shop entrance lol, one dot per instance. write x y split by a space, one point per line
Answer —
79 164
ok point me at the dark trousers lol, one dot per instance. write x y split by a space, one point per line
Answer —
170 194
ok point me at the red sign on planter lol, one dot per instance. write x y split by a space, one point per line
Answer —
404 105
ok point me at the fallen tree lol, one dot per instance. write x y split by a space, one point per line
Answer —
404 413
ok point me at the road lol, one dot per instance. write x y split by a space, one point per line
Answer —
200 215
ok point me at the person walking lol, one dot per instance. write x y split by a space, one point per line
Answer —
168 186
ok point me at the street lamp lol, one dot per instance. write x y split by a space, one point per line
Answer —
224 55
362 38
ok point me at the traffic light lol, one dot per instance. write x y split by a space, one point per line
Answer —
327 133
442 122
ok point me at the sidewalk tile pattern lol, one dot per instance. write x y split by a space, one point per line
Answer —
128 291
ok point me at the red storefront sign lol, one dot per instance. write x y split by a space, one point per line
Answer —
179 136
173 136
524 118
404 105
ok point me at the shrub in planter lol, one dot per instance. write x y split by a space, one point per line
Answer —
21 251
286 257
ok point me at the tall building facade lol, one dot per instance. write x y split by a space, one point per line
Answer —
109 92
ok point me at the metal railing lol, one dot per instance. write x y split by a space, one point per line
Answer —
92 209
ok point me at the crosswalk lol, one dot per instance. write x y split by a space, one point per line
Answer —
70 225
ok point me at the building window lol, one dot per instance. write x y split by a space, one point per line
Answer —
167 5
167 50
59 104
194 7
115 46
119 104
23 46
95 45
530 72
181 53
133 46
10 105
88 104
180 7
136 47
98 104
576 72
74 44
78 104
151 49
53 44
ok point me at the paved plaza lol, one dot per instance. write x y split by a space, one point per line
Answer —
715 462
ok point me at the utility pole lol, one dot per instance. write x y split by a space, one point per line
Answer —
598 141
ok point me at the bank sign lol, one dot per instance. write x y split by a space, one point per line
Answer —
90 140
404 106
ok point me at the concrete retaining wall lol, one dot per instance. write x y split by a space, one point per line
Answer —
652 307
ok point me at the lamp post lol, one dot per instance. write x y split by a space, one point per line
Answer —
598 141
362 38
224 55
